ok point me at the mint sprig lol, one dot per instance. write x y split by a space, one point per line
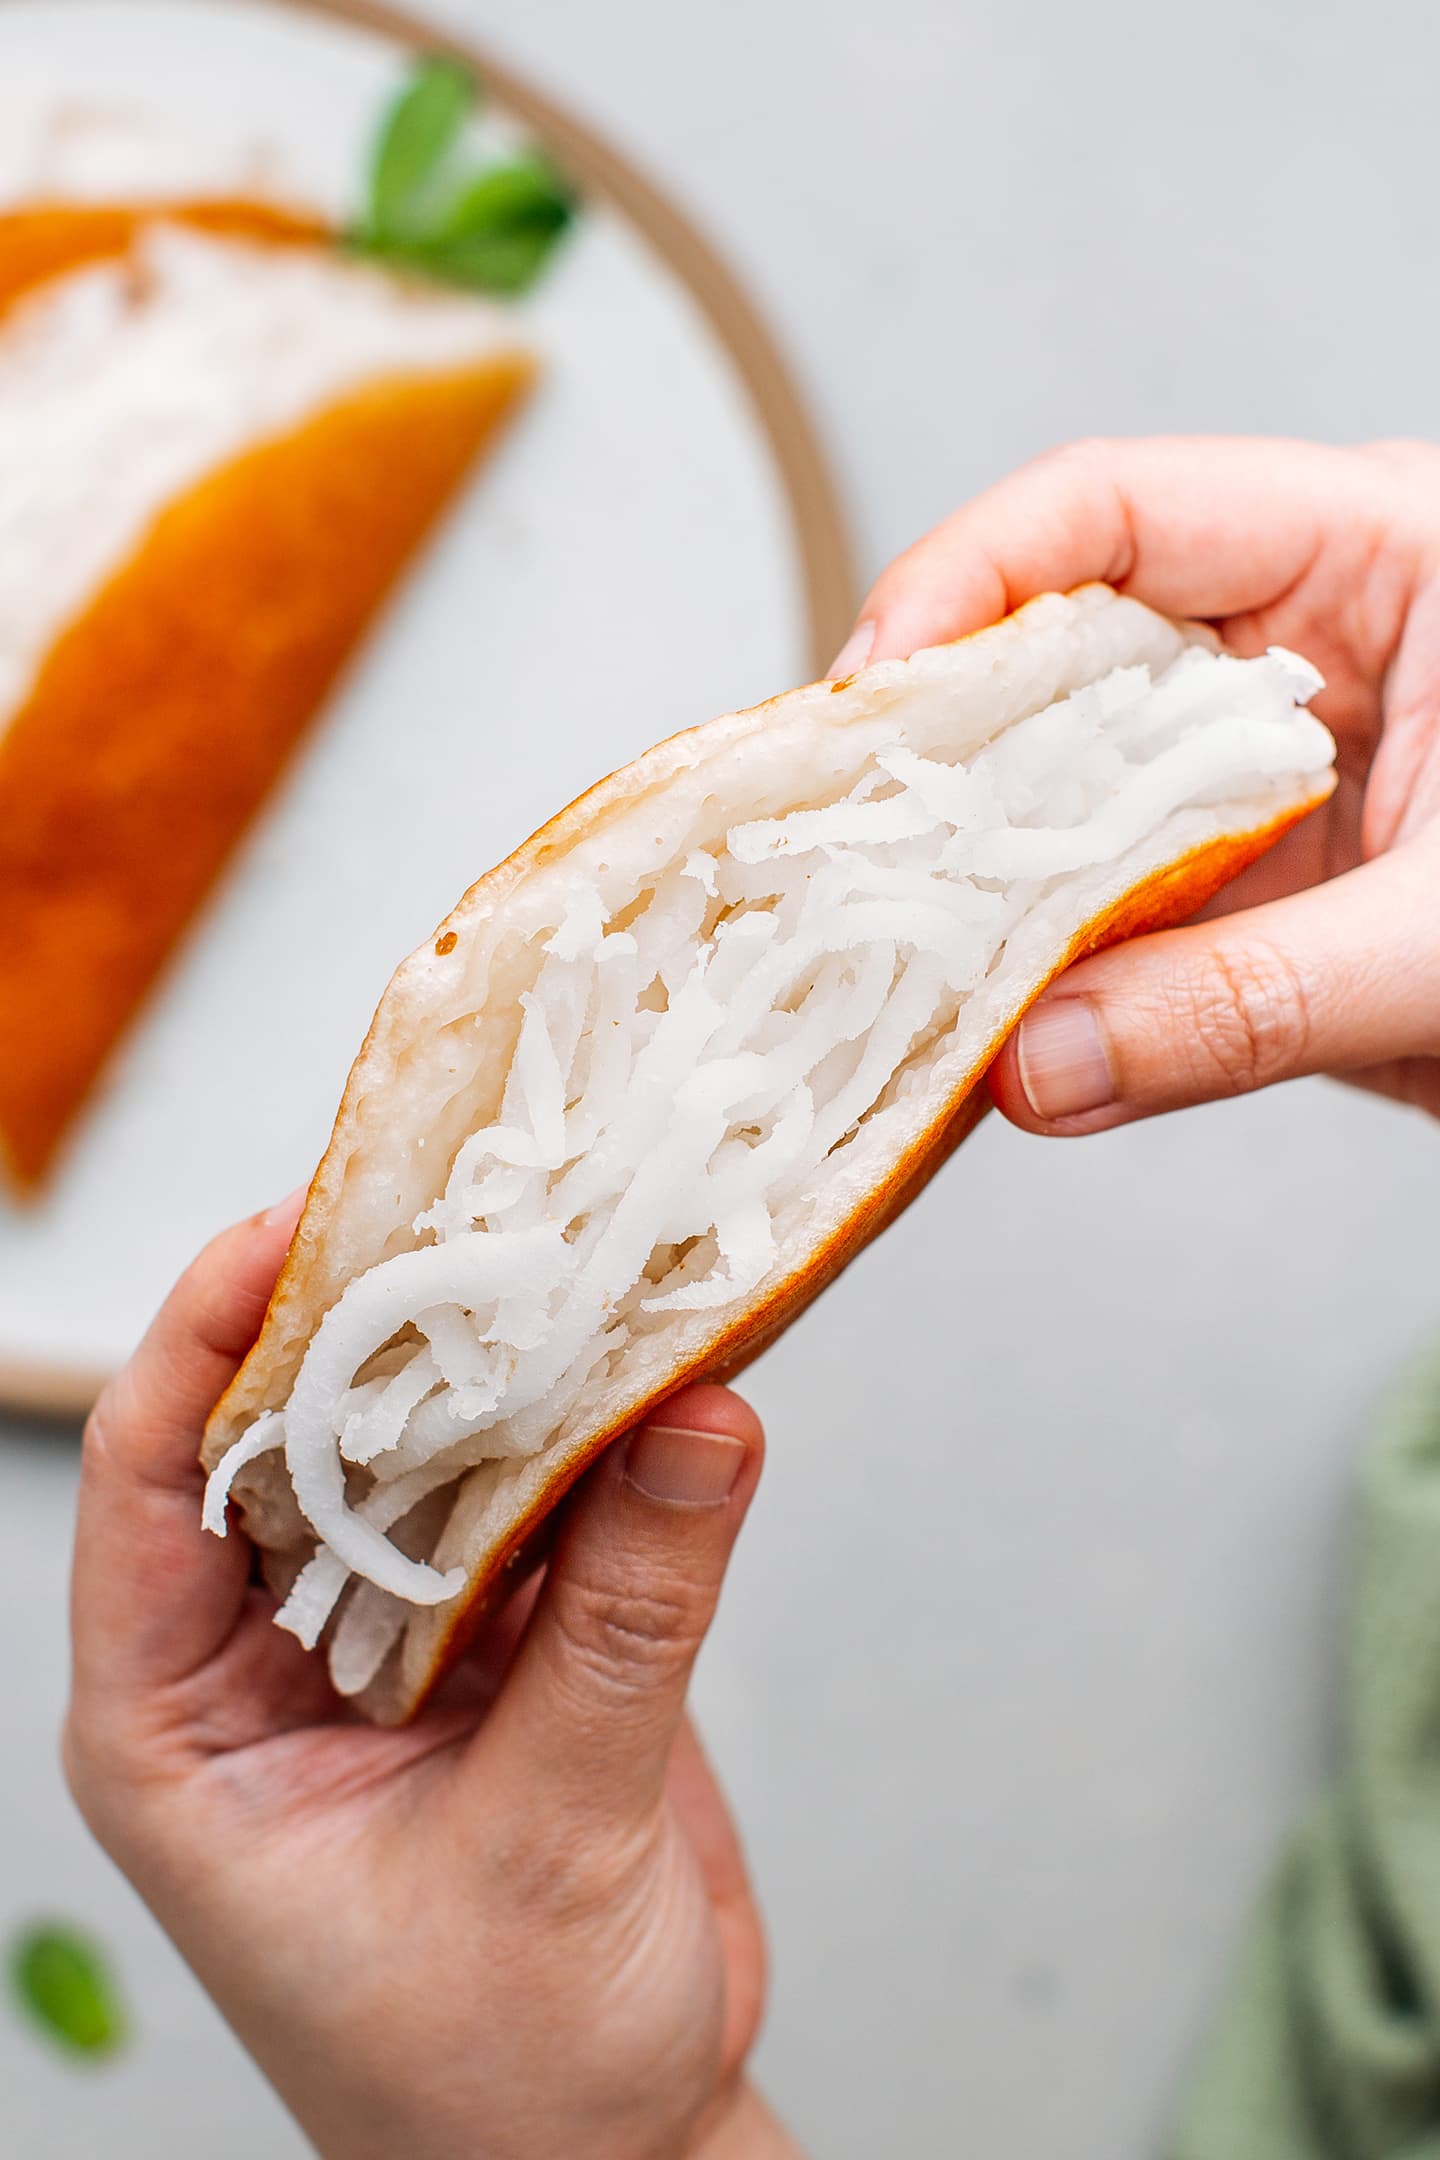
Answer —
487 227
62 1979
417 136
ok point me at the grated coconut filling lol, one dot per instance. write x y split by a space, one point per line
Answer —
687 1069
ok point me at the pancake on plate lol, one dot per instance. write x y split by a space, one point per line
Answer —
224 439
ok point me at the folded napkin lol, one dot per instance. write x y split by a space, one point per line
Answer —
1327 2046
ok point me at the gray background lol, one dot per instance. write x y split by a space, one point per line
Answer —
1027 1655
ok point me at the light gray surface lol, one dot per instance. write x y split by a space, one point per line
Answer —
1026 1656
182 2086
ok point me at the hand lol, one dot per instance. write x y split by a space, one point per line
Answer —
519 1927
1334 964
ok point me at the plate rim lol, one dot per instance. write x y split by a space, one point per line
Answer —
50 1389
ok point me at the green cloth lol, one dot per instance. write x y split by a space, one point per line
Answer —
1327 2046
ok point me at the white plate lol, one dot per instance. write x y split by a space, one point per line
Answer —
631 561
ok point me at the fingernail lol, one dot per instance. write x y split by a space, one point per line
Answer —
286 1210
692 1469
1063 1063
854 652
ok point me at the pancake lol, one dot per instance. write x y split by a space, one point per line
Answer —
672 1065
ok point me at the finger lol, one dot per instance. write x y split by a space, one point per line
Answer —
1320 846
1221 528
1338 979
153 1595
596 1695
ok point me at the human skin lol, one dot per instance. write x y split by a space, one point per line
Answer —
1325 957
517 1928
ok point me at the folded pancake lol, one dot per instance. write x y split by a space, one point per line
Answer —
667 1069
222 444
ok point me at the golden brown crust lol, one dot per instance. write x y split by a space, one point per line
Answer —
48 240
163 716
1164 898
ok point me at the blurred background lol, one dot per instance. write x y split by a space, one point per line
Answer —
1027 1657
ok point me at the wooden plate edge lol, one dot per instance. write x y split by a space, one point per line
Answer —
820 525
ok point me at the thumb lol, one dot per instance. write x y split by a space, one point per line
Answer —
595 1698
1341 978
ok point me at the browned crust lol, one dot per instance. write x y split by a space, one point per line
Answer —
43 241
163 717
1162 899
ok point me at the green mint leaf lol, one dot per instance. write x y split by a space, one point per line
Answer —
417 136
486 263
62 1979
527 195
488 228
495 233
